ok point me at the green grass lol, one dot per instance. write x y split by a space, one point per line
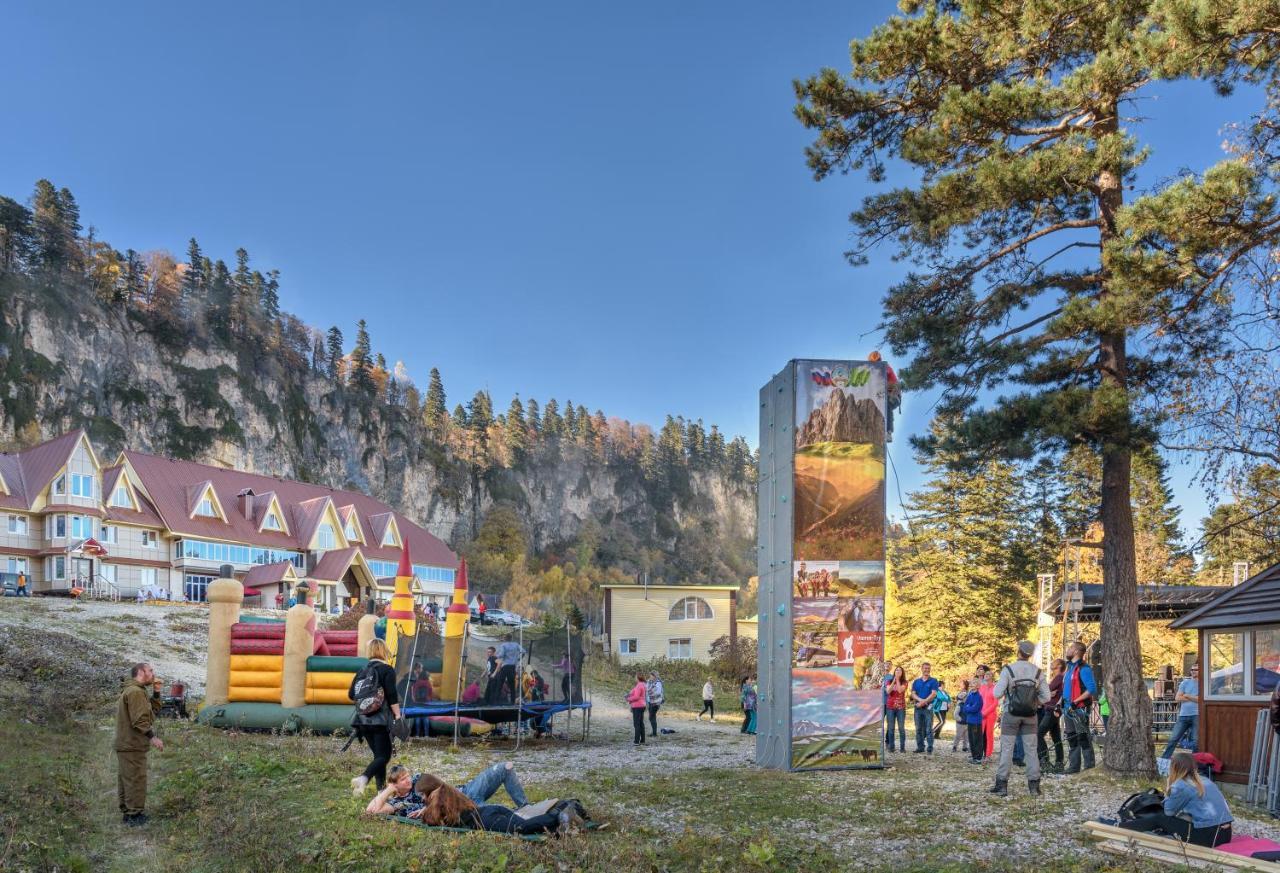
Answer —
845 451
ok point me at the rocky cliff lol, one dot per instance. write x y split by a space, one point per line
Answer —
68 360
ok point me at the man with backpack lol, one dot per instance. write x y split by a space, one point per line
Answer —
1023 690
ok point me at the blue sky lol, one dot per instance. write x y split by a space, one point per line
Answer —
597 201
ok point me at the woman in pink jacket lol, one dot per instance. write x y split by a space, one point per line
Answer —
636 700
989 708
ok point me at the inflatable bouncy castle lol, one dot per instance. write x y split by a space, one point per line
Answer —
277 673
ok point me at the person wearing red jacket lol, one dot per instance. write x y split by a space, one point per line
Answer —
990 709
636 699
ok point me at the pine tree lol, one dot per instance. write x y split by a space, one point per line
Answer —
319 358
193 279
135 278
515 429
55 227
552 423
1032 269
16 235
695 440
534 417
739 460
480 415
459 416
962 593
570 419
218 315
271 296
1246 529
434 410
715 449
334 354
361 377
246 296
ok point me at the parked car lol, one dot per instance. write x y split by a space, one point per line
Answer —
10 586
501 616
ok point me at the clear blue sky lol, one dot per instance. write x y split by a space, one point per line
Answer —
598 201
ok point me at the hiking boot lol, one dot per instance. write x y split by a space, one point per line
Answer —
136 821
1001 788
1033 787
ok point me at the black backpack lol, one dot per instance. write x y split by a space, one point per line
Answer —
368 691
1023 695
1141 805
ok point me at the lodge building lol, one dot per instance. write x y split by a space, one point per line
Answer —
165 526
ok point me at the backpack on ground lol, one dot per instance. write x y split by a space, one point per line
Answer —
1141 805
368 691
1023 695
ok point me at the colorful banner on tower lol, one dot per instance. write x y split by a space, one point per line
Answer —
838 577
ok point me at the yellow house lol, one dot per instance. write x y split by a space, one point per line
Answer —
677 622
749 627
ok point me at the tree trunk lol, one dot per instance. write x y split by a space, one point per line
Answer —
1129 750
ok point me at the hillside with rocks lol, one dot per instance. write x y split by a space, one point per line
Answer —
193 359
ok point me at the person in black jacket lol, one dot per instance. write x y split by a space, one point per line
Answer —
375 729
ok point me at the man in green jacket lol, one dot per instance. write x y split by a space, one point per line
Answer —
135 716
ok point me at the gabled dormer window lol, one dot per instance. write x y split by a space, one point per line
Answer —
325 537
350 531
205 507
271 522
120 497
60 485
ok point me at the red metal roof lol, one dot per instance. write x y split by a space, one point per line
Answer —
267 574
167 481
28 473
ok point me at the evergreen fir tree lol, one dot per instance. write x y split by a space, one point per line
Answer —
218 315
135 278
459 417
434 410
715 449
361 376
534 417
319 358
570 419
193 279
552 423
271 296
515 429
334 353
695 440
55 227
16 235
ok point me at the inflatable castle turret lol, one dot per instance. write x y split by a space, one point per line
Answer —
455 627
401 620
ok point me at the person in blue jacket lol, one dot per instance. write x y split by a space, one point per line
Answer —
1194 809
1079 690
972 709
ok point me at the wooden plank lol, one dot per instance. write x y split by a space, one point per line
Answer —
1179 851
1133 851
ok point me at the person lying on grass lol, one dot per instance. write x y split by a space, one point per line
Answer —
400 797
446 806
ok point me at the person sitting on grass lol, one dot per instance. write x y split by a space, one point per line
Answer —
1194 809
446 806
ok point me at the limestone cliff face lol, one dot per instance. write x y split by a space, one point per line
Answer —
68 363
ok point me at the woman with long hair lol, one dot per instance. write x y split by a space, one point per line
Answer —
374 728
1194 809
446 806
895 708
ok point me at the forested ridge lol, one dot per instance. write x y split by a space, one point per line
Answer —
194 357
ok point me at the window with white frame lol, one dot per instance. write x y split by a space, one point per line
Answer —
389 538
81 527
272 521
1266 660
690 609
82 485
149 539
350 531
147 577
17 565
205 507
18 525
1226 665
58 567
60 485
120 497
56 527
325 537
110 533
627 647
108 573
680 649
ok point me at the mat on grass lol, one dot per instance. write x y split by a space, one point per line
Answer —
533 838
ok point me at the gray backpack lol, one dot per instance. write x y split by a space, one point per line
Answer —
1023 695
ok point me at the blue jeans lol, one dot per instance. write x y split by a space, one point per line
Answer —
900 716
489 780
924 727
1186 725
